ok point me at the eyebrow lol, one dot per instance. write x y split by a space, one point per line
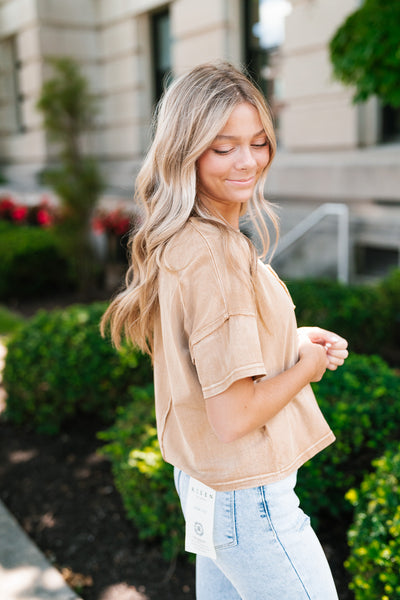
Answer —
234 137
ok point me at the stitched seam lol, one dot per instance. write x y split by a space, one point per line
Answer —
219 280
163 424
214 263
233 542
200 334
253 369
282 283
287 469
267 512
211 327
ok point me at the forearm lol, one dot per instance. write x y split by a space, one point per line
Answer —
271 395
249 405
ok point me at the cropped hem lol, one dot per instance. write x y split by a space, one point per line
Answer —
279 474
265 478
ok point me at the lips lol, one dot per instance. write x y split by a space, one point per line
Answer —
241 181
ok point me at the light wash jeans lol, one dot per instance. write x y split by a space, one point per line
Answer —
265 546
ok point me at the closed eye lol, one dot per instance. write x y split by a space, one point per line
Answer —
222 151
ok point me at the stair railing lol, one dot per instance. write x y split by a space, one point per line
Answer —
341 211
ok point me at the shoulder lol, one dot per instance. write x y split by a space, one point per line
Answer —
196 239
204 243
212 268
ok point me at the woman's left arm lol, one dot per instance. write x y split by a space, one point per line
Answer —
335 345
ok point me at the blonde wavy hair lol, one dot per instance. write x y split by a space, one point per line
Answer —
192 111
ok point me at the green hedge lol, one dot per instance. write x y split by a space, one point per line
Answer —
143 479
32 263
367 315
389 289
361 403
58 366
374 537
9 321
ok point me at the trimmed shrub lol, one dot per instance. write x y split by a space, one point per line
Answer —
32 263
374 537
389 288
354 312
362 405
143 479
9 321
59 366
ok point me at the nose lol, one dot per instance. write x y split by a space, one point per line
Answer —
245 159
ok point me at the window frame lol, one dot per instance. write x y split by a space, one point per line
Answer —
161 75
12 100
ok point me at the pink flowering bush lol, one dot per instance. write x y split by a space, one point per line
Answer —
116 225
117 222
43 214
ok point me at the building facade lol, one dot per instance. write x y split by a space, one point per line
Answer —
330 150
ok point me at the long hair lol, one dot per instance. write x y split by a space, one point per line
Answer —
192 111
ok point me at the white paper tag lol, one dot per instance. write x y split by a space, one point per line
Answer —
200 519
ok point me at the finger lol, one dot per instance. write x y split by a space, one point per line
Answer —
340 344
334 363
336 360
320 336
332 352
323 336
332 367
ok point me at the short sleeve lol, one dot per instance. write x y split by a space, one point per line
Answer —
220 315
231 352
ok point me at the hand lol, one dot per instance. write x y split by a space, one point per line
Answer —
313 356
335 346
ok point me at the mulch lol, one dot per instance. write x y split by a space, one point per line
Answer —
61 491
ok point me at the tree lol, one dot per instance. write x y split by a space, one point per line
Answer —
365 51
68 109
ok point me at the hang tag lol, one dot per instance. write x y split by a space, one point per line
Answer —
200 504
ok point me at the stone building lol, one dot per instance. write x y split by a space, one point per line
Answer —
330 150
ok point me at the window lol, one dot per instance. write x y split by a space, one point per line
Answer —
390 131
375 261
161 36
264 34
10 97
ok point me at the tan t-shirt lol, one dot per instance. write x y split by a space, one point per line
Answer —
209 334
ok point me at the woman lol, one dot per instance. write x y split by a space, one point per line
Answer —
236 415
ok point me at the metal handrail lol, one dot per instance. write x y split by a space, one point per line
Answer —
328 209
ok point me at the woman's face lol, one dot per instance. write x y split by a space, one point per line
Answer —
228 170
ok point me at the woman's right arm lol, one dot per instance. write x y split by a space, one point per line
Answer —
247 405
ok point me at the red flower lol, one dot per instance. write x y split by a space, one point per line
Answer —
122 226
42 214
98 225
7 206
19 213
44 218
117 222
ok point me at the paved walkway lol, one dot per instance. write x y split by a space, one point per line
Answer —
25 573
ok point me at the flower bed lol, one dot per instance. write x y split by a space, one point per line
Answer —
42 214
113 225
